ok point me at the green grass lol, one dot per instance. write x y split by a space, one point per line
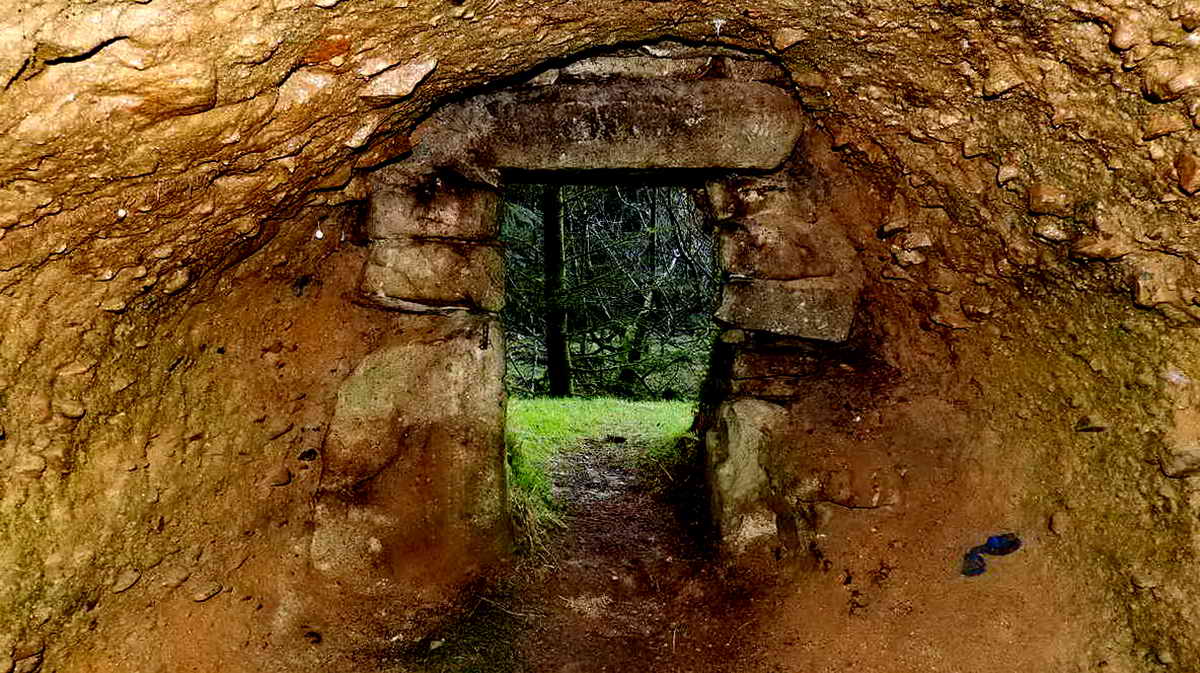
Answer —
540 428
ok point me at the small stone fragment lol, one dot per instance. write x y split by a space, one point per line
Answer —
1176 377
77 367
1189 14
948 313
397 83
1169 79
1052 231
810 79
70 408
282 476
895 272
1164 123
1125 33
908 247
29 649
206 591
113 304
1143 580
301 87
175 577
977 310
546 78
1007 173
1048 199
916 240
178 280
1000 80
908 257
362 134
1187 166
1182 461
28 664
786 37
30 465
126 579
1091 423
1060 523
433 645
894 225
375 63
1099 247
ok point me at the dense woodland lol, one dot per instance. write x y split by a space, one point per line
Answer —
610 288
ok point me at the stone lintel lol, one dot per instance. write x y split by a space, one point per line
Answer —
621 125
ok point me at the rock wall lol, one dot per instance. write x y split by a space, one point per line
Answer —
180 261
230 471
968 394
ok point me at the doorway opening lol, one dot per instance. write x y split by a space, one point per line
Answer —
610 293
610 290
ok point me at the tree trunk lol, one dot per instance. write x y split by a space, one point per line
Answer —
558 358
634 345
637 331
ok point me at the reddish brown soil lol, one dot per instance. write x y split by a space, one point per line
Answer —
630 586
627 585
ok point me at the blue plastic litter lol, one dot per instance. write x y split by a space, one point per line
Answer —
1000 545
996 545
973 564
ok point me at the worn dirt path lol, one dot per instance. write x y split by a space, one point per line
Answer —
626 585
630 586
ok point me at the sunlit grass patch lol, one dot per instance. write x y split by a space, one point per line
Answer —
548 425
540 428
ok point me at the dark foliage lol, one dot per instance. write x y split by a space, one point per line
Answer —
640 285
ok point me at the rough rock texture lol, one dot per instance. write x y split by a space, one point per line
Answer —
793 272
663 124
435 274
412 504
181 186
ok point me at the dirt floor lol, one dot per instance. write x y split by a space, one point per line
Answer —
631 587
628 585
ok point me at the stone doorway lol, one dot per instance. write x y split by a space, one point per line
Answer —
792 280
